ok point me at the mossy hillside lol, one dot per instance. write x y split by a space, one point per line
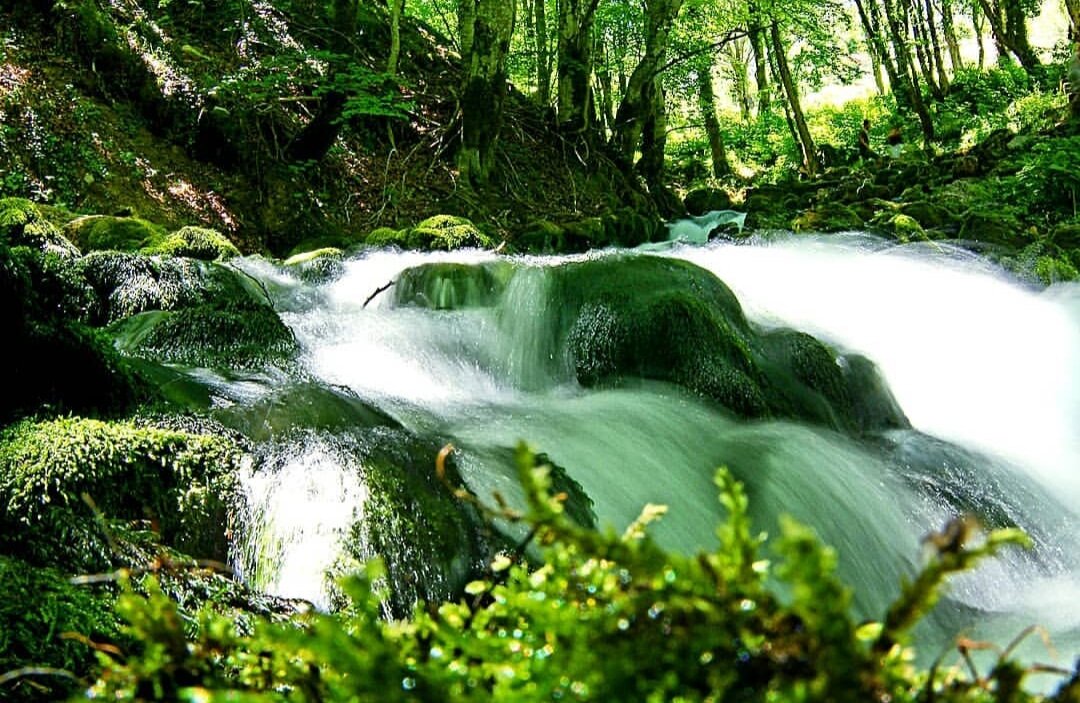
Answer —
40 606
195 243
449 286
182 482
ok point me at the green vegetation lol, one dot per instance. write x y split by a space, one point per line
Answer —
182 482
196 243
603 618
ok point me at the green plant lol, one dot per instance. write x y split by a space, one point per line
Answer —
604 617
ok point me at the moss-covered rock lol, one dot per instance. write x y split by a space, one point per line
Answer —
386 237
195 243
906 228
227 333
180 481
39 607
541 237
991 226
128 284
304 406
23 224
108 233
52 358
703 200
446 232
827 217
317 266
448 286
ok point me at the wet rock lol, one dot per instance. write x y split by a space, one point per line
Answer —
703 200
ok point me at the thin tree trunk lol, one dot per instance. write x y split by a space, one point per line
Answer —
806 142
543 56
761 61
707 105
397 8
978 23
948 24
905 72
605 101
913 23
1072 7
935 48
740 83
871 22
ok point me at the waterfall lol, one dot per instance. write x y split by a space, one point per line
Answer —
986 369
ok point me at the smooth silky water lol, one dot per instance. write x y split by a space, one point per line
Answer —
987 370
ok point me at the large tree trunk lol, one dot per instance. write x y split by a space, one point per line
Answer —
1009 27
605 101
575 63
791 91
740 84
638 103
487 26
707 105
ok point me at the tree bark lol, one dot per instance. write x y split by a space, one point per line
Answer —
806 142
948 25
905 72
487 26
935 47
707 105
1009 27
575 63
871 22
761 60
397 8
638 101
1072 7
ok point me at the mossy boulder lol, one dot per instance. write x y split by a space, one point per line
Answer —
302 406
541 237
827 217
387 237
446 232
929 215
181 481
703 200
108 233
905 228
195 243
448 286
991 226
39 606
52 357
23 224
227 333
128 283
318 265
430 542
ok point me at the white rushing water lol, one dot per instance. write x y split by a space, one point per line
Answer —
972 356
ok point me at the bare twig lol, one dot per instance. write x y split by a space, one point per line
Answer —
378 290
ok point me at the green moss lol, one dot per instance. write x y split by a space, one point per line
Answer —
317 266
226 333
128 283
906 228
449 286
180 480
196 243
386 236
827 217
23 223
39 607
446 232
107 233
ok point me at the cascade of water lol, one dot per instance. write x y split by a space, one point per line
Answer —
973 358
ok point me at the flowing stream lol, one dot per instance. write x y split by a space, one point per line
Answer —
987 371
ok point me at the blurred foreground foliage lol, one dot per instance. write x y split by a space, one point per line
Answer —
605 618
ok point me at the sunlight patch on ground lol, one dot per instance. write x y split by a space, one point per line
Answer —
206 203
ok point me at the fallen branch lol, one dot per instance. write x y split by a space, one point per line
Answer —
380 289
